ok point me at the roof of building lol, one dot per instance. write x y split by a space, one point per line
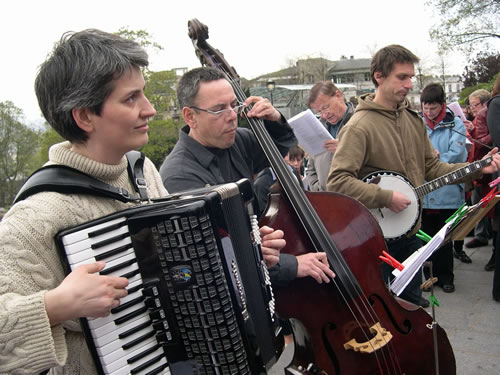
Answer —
350 64
341 86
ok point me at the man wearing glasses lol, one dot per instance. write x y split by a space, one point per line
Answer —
327 101
213 150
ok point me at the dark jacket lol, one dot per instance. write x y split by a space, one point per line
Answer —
191 165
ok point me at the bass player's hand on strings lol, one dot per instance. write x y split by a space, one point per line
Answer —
316 266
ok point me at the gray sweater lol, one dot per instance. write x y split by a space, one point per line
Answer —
30 267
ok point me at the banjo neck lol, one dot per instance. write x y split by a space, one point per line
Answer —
451 177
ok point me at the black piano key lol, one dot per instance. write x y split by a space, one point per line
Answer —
130 274
135 288
131 315
109 240
142 354
109 270
146 364
110 253
107 229
128 304
138 340
157 370
133 330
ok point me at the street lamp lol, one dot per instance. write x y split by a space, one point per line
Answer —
270 87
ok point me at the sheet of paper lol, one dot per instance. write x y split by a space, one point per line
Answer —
457 110
310 132
413 263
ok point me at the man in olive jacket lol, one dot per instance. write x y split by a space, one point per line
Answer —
385 134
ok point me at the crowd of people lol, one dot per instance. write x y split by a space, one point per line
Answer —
91 91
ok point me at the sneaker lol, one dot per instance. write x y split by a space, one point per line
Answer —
475 243
462 256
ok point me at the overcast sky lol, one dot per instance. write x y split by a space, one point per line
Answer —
256 37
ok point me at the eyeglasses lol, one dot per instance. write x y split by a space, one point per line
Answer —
236 109
326 108
474 105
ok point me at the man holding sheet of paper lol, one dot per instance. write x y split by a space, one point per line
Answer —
327 102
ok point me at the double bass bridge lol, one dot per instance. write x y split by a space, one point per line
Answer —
381 338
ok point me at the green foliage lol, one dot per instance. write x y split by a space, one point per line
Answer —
464 94
163 135
140 36
160 89
485 66
48 138
465 24
19 144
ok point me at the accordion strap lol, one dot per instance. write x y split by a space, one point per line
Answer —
67 180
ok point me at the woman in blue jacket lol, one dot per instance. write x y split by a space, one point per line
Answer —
446 133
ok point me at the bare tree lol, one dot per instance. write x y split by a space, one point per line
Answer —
465 24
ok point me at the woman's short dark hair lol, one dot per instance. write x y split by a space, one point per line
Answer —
80 73
433 93
385 58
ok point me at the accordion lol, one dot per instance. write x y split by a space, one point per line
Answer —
199 296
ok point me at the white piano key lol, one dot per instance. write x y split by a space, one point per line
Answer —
119 342
83 234
122 362
89 253
118 358
111 326
117 262
88 242
102 337
126 369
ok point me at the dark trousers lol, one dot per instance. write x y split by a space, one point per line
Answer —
442 259
496 275
401 249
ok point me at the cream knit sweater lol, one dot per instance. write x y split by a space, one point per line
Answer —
30 266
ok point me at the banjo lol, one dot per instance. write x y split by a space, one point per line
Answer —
396 225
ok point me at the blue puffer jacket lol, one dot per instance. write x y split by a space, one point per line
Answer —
451 147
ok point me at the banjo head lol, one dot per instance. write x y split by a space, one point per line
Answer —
395 225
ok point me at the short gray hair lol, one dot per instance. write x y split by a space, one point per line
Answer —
482 94
189 85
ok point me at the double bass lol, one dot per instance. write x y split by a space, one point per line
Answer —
352 325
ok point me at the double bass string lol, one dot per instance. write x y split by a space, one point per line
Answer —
300 199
